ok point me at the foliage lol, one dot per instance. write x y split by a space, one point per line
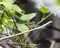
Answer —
8 15
10 24
27 17
58 2
8 10
43 9
22 27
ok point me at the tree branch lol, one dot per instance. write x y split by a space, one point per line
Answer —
52 44
40 27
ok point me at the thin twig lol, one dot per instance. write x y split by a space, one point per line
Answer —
52 43
40 27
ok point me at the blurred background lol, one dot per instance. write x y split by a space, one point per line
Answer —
31 6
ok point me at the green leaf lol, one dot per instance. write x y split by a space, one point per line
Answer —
43 9
27 17
1 28
8 1
6 15
7 5
17 9
10 24
12 11
22 27
4 21
58 2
